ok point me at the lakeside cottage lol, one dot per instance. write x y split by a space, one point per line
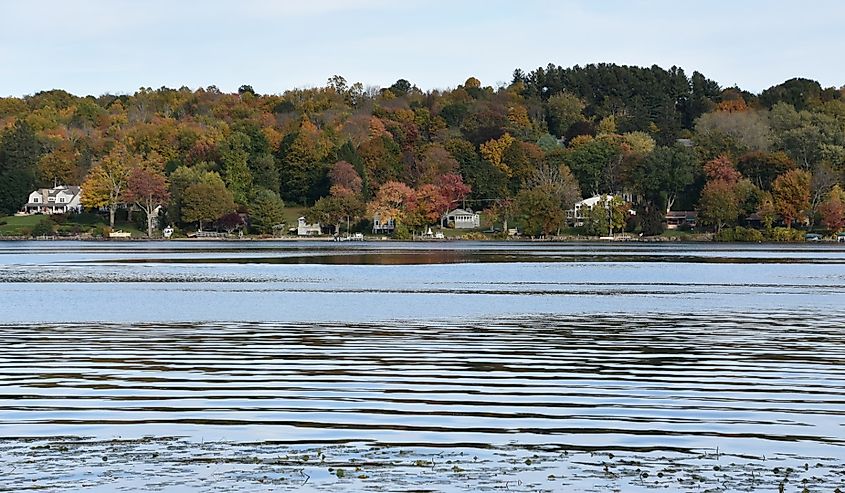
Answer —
383 227
303 228
461 219
676 219
60 199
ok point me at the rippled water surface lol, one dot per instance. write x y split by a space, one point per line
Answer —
441 367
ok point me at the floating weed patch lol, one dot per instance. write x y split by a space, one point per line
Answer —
67 463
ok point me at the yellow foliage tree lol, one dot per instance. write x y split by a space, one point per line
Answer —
494 151
106 182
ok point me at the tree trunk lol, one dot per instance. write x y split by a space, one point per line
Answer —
151 207
111 215
670 201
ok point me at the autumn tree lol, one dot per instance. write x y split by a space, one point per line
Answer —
791 192
382 158
767 211
762 168
721 168
832 210
434 161
344 175
106 182
430 205
494 152
393 201
557 181
453 189
148 190
60 166
230 222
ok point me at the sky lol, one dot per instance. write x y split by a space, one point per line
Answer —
117 46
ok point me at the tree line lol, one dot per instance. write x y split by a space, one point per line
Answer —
523 152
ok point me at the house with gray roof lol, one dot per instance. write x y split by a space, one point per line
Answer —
60 199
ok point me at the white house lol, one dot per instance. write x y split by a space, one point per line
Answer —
57 200
462 219
575 216
305 229
383 227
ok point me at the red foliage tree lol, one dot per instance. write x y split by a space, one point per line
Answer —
452 188
344 175
148 190
721 168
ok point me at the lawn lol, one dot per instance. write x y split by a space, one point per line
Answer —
18 225
74 224
292 215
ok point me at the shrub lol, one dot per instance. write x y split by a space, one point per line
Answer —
474 235
787 234
101 231
740 234
59 218
43 227
401 232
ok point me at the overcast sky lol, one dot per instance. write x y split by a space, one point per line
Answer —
117 46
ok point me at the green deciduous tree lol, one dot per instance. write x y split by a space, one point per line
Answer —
206 201
337 209
564 110
592 161
539 211
719 204
664 174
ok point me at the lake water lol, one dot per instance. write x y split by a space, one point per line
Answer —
262 366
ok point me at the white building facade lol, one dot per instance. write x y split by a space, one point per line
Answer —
57 200
462 219
303 228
